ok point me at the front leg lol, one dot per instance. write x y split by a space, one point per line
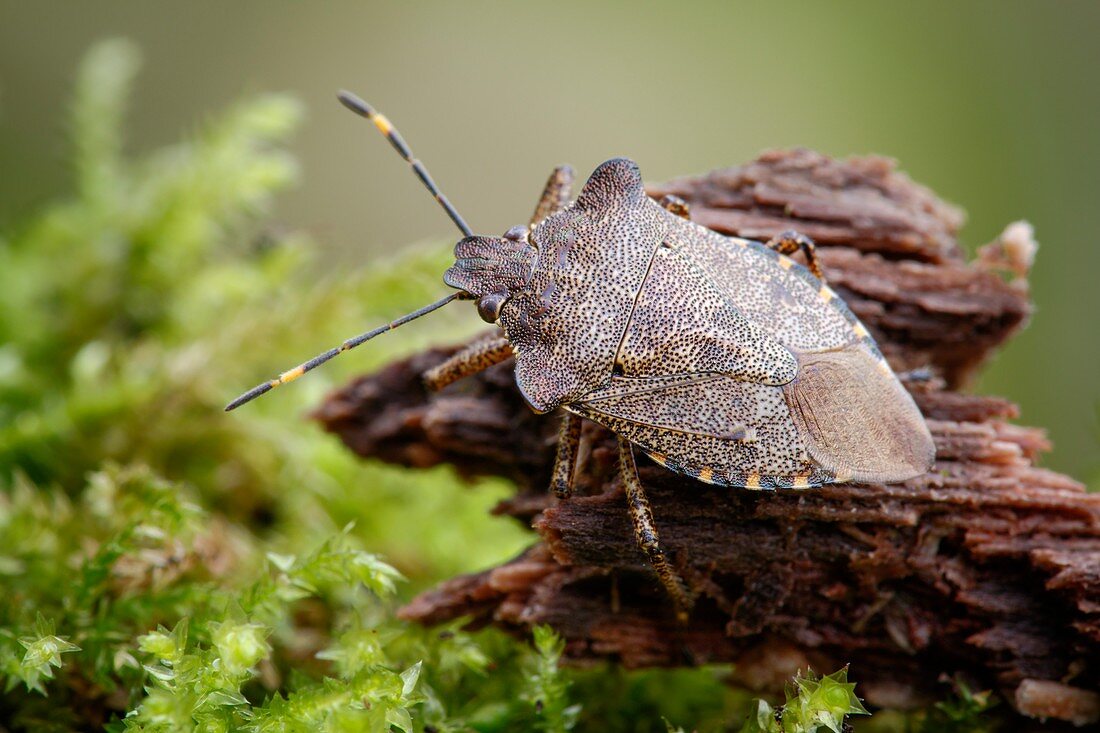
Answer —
645 531
474 358
555 196
675 205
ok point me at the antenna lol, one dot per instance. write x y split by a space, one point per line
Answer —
292 374
361 108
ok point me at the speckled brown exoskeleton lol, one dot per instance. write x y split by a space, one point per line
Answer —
718 357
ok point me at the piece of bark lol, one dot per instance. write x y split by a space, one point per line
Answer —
987 566
860 202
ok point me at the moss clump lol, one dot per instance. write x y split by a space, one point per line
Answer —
812 704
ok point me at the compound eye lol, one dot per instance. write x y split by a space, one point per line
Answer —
516 233
488 306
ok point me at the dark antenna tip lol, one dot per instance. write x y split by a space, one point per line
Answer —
354 103
249 396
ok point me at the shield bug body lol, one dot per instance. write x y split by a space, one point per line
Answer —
720 358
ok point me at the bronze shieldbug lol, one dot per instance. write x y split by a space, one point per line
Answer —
719 357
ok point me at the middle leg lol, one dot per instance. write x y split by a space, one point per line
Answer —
790 242
645 531
565 461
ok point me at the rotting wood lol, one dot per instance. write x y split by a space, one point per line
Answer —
988 566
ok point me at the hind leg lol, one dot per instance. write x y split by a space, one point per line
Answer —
645 531
790 242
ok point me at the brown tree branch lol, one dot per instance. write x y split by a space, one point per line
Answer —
987 566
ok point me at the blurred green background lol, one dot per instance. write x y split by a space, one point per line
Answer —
992 104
